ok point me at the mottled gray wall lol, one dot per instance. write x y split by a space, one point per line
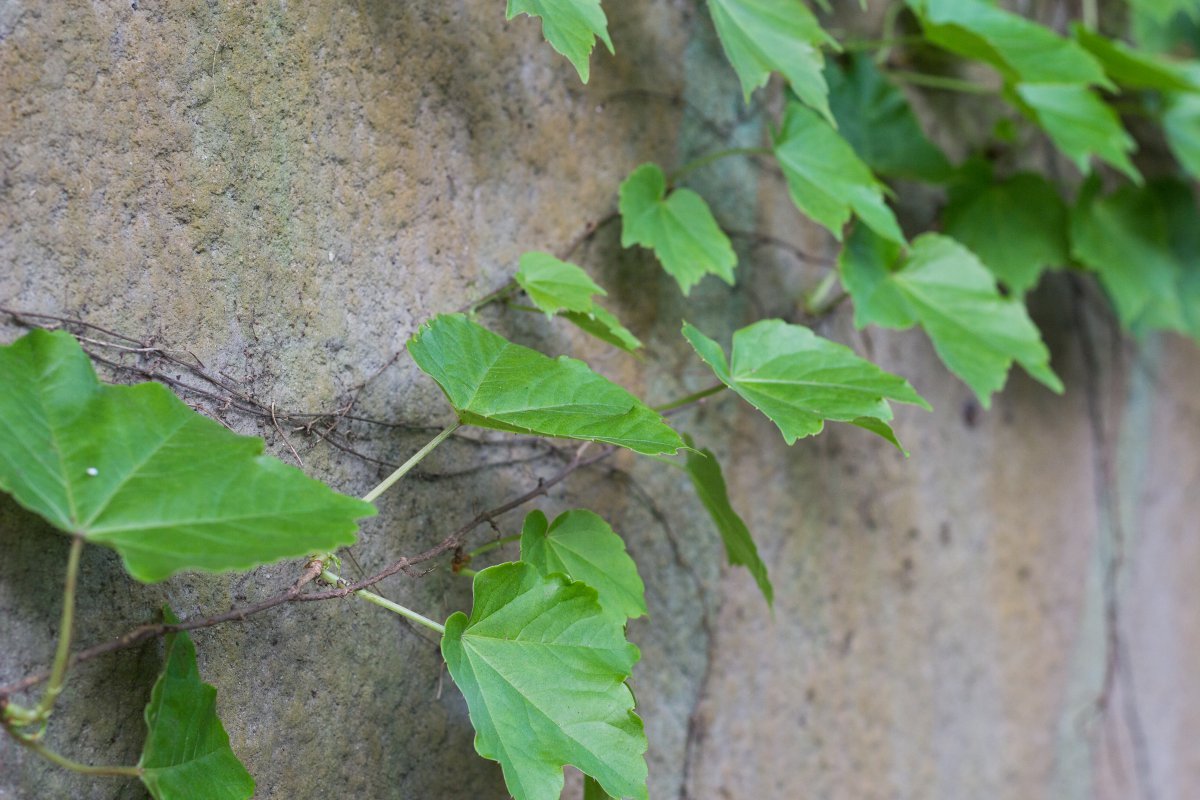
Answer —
286 189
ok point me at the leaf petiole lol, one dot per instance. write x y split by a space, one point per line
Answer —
492 545
75 766
711 158
62 655
383 602
689 399
412 462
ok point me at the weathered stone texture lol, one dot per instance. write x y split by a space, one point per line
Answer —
286 189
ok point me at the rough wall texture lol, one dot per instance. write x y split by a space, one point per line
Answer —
284 190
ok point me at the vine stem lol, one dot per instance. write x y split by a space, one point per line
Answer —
940 82
404 468
75 766
689 399
383 602
62 654
704 161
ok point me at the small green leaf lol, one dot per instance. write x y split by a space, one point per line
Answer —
1018 227
680 228
942 286
187 754
799 380
582 546
1079 123
1144 243
605 327
827 181
555 285
493 383
709 483
1181 123
1132 68
765 36
570 26
543 669
875 118
135 469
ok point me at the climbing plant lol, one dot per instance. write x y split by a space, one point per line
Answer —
542 656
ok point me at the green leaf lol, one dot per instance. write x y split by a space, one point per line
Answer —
582 546
493 383
593 790
570 26
709 483
942 286
680 228
875 118
1079 124
1181 123
1164 10
1144 244
187 754
605 327
555 285
543 669
827 181
1132 68
765 36
799 380
135 469
1018 227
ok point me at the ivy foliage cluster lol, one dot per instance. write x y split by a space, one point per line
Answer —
542 656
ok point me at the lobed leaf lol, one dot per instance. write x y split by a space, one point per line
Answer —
135 469
560 287
679 228
942 286
1079 124
543 670
800 380
582 546
825 178
187 755
570 26
493 383
705 473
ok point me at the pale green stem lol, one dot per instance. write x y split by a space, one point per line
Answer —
691 398
467 572
62 656
814 301
941 82
492 545
522 307
491 297
704 161
383 602
1091 14
85 769
412 462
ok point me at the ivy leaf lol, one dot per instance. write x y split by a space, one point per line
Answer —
1018 227
1132 68
765 36
493 383
1181 123
135 469
1079 124
799 380
543 669
599 322
582 546
570 26
705 472
555 285
1144 244
875 118
187 754
943 287
680 228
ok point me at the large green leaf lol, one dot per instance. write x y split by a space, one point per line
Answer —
1079 124
827 181
799 380
1133 68
570 26
942 286
543 669
1144 243
135 469
1181 123
765 36
187 754
709 483
680 228
875 118
582 546
1017 227
496 384
560 287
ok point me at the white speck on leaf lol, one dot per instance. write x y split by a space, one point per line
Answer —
92 472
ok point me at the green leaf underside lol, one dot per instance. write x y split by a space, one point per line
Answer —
600 323
570 26
1181 123
135 469
593 790
679 228
555 285
1018 228
709 483
582 546
1144 244
1079 123
800 380
543 670
1133 68
875 118
943 287
825 178
187 754
765 36
493 383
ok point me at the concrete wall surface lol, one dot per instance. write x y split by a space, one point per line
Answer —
284 190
